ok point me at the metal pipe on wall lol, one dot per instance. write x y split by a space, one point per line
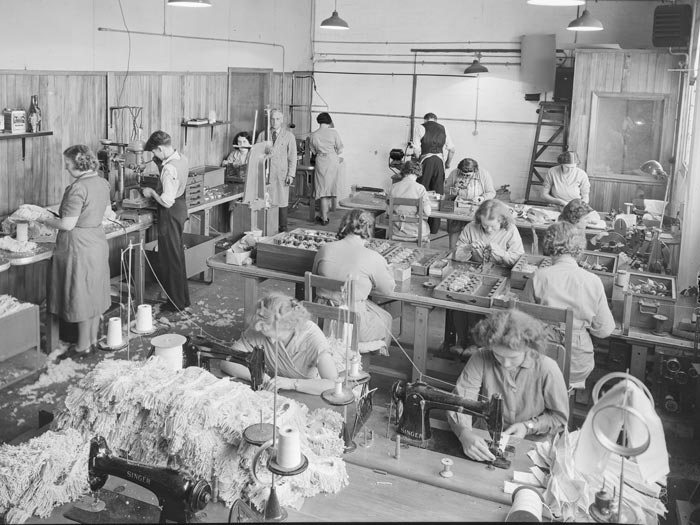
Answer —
387 115
422 62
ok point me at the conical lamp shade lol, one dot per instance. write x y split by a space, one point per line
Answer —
585 22
476 67
190 3
334 22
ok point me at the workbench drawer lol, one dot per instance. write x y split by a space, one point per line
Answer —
20 332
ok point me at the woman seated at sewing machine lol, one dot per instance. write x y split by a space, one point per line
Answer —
566 181
468 183
305 360
490 237
565 285
406 187
509 362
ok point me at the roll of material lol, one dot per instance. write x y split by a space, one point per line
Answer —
169 348
527 505
289 448
22 232
144 318
114 332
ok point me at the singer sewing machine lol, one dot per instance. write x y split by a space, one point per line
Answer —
414 401
198 351
179 494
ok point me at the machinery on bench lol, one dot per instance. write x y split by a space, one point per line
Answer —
414 401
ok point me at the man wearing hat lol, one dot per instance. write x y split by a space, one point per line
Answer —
172 214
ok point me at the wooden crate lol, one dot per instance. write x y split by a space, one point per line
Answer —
293 251
381 246
420 259
476 289
604 265
525 267
641 303
20 332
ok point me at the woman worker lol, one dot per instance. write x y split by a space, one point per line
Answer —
566 181
407 188
468 183
566 285
492 236
509 363
238 157
79 290
282 327
326 144
350 257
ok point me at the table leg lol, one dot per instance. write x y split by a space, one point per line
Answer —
208 274
139 268
250 295
51 319
420 341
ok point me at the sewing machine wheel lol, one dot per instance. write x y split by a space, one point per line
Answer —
201 495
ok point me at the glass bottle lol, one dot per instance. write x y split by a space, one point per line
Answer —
34 116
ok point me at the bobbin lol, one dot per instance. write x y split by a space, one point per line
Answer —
446 471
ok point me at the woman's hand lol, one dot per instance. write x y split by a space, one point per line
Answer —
283 383
475 447
497 251
517 430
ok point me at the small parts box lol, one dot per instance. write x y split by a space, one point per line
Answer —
211 176
471 288
292 252
381 246
440 268
647 295
14 120
198 248
525 267
604 265
400 271
420 259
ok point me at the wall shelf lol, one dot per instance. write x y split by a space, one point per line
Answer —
23 136
186 124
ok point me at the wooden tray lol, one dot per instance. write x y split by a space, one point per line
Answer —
293 251
525 267
604 265
476 289
381 246
419 259
641 303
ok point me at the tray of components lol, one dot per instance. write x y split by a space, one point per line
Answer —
604 265
381 246
420 259
476 289
292 251
525 267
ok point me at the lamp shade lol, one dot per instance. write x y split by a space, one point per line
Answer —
556 3
585 22
653 167
475 67
190 3
334 22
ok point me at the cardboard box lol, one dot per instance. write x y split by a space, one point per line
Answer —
14 120
197 249
400 271
20 332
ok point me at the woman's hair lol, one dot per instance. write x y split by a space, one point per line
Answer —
468 165
324 118
82 157
574 211
278 312
510 328
157 138
358 222
243 134
568 157
492 209
411 167
563 238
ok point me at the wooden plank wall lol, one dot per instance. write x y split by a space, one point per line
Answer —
631 71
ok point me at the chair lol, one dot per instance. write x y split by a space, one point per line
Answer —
311 282
393 216
322 312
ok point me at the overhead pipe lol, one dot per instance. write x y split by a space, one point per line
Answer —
423 62
387 115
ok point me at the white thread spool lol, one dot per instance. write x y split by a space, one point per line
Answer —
114 332
169 348
212 116
354 367
22 232
144 318
288 448
338 392
527 505
622 278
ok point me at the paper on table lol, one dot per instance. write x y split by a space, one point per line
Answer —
527 478
537 459
541 476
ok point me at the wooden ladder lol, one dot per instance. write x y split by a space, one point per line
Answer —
553 116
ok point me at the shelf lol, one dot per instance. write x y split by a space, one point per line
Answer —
23 136
186 124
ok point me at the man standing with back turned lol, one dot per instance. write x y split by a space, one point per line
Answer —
430 141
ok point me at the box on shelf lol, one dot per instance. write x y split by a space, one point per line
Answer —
525 267
14 120
476 289
646 295
604 265
293 251
198 248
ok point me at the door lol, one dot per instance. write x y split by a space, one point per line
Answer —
249 90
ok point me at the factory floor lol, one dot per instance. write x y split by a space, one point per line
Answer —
217 311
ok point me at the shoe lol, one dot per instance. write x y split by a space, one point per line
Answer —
282 229
325 222
73 352
167 306
318 220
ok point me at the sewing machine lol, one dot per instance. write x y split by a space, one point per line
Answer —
414 401
179 494
198 351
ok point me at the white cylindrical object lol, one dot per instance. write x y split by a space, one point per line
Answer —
144 318
354 368
169 348
212 116
289 448
338 387
114 332
22 233
622 278
527 505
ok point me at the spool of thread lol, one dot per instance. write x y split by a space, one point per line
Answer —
114 332
338 388
22 233
397 451
526 506
603 502
622 278
289 448
144 318
169 348
355 367
446 471
659 322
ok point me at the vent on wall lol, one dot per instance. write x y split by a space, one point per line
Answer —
672 25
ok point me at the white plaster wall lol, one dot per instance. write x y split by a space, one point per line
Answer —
503 142
64 35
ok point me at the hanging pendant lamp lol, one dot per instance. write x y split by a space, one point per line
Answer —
335 22
190 3
556 3
476 67
585 22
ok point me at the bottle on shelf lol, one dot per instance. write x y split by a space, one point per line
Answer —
34 115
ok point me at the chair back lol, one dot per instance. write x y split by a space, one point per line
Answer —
394 216
321 313
312 282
